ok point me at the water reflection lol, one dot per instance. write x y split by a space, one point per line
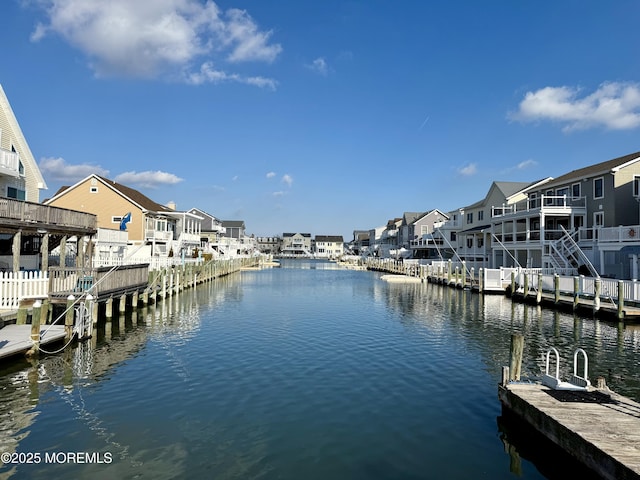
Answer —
299 374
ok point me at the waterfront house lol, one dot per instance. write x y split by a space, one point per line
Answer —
360 243
153 229
296 244
419 232
269 245
329 246
595 208
28 229
387 246
474 240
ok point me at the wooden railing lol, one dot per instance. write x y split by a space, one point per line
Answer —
38 213
97 281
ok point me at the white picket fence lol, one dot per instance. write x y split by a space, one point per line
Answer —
15 286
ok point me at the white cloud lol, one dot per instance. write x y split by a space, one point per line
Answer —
148 179
208 74
319 65
526 164
58 169
468 170
288 179
235 178
271 174
148 39
278 194
615 106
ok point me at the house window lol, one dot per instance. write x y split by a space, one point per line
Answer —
470 217
93 189
636 186
598 187
453 236
16 193
533 200
469 242
598 219
549 201
480 242
575 190
20 167
481 215
561 193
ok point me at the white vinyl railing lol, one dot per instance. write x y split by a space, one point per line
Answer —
15 286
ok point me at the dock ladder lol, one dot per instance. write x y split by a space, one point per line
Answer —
577 382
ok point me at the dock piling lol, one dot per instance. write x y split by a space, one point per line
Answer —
515 356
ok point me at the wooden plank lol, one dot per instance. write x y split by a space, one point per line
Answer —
15 339
601 429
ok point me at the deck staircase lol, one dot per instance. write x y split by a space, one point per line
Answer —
565 253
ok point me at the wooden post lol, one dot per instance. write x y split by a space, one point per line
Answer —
449 272
15 250
515 356
525 292
63 252
134 300
513 283
480 280
35 329
94 311
463 272
556 287
68 318
620 300
21 317
44 253
539 292
108 309
163 291
576 292
122 307
597 284
145 298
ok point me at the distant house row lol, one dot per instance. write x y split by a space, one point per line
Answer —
586 220
302 245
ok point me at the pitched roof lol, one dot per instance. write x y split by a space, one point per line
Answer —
596 169
410 217
129 193
135 196
330 238
233 223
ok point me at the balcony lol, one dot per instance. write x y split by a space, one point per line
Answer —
9 163
560 205
51 218
158 236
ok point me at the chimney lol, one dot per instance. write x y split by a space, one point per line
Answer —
171 205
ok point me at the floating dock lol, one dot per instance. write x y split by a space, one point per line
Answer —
600 428
16 339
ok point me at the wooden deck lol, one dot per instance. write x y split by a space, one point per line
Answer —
16 339
565 301
599 428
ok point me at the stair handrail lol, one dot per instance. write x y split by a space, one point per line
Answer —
583 256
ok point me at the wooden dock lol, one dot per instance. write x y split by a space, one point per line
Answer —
601 429
16 339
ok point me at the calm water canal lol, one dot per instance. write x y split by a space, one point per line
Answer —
301 372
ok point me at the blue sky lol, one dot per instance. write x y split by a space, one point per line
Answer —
320 117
